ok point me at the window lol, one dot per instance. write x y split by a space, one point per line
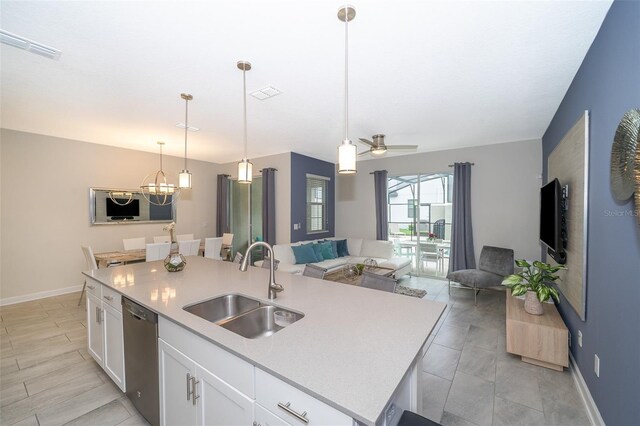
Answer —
316 203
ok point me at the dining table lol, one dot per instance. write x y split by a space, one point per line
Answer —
123 257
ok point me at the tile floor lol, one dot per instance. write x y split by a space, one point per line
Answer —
48 378
46 375
469 378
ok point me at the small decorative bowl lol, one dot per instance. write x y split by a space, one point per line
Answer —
175 262
370 263
350 272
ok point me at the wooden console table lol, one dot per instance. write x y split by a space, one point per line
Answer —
539 339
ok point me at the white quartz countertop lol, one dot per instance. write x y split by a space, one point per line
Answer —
351 350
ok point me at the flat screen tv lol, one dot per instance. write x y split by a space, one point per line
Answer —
551 217
131 210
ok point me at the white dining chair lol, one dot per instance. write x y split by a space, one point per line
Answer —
185 237
134 243
212 248
227 246
91 264
189 247
157 251
162 239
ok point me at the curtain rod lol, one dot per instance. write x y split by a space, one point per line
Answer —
451 165
268 168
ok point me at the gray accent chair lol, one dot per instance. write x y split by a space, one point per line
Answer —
378 282
495 264
314 271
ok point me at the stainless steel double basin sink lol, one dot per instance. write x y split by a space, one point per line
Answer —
244 315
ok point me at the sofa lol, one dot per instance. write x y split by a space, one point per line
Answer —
359 249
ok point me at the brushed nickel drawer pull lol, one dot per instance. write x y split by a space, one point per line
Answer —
98 315
286 407
188 386
194 390
110 298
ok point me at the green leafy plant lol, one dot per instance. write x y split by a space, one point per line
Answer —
537 278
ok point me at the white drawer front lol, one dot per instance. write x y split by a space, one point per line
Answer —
94 287
228 367
267 418
293 405
112 297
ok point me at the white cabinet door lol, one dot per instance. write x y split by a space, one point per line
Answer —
114 345
176 371
267 418
95 333
220 404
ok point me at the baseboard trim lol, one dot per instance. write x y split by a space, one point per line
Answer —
40 295
592 408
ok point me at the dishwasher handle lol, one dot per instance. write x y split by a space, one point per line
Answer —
139 312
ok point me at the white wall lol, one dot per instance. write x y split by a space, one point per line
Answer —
505 185
44 215
282 162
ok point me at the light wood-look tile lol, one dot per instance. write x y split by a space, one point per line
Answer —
29 360
110 414
63 375
12 394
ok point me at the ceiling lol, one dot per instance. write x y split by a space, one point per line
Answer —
439 74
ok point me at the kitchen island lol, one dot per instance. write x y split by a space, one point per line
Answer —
356 350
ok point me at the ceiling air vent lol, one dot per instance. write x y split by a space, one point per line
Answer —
31 46
266 93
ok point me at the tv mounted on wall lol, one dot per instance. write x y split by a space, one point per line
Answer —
117 208
551 223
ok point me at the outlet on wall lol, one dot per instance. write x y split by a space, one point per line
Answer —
579 338
596 365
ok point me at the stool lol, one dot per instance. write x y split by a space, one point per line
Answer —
412 419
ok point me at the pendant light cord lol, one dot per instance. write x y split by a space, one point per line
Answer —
346 74
244 88
186 129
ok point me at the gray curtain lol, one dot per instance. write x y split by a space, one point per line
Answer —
462 254
382 220
222 205
269 205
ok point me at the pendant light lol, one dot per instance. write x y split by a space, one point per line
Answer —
184 178
155 188
347 151
245 168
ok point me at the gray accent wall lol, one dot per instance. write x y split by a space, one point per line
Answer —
300 166
607 84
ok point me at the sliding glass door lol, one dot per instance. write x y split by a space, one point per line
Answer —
420 220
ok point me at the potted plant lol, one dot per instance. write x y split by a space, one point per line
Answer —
535 282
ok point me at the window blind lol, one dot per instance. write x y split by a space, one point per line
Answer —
316 203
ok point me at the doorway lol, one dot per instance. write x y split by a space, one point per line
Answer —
246 215
420 215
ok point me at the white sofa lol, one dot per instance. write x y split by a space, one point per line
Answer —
359 250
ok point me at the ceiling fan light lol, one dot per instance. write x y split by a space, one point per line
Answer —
245 171
184 179
347 153
378 151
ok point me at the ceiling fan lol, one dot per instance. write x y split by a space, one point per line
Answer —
378 147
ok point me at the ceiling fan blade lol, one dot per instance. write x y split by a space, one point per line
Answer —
402 146
367 142
364 153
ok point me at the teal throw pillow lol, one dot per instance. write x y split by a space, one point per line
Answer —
342 248
304 254
334 247
318 252
327 250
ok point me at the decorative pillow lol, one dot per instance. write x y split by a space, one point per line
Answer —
342 248
318 252
304 254
334 247
327 250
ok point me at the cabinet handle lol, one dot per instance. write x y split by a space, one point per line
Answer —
97 315
286 407
110 298
194 390
188 386
92 287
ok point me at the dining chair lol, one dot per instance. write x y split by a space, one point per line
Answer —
227 246
314 271
157 251
189 247
184 237
378 282
212 248
91 264
162 239
134 243
267 261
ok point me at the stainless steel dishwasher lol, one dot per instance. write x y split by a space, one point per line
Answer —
141 359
